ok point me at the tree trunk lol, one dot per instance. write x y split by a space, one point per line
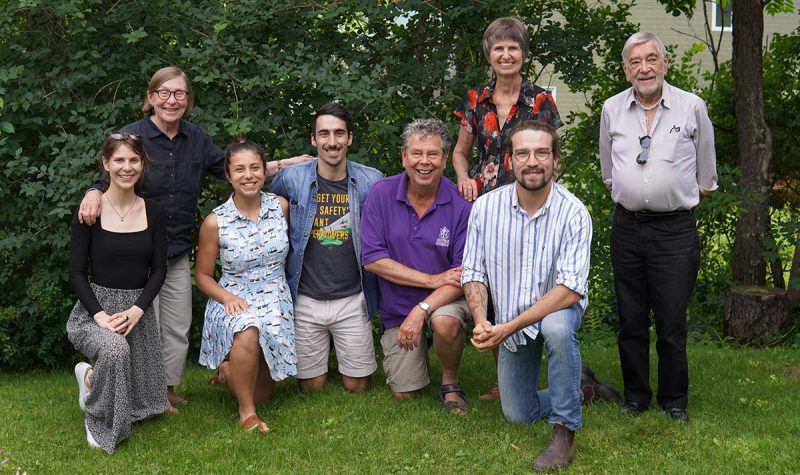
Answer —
794 274
756 316
754 143
776 266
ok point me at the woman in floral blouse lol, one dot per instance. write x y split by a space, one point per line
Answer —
490 111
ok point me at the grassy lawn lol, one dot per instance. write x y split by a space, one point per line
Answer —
744 405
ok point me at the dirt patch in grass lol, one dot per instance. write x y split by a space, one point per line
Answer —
792 371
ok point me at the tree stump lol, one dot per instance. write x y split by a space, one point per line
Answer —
756 316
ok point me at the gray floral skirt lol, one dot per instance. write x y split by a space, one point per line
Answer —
128 380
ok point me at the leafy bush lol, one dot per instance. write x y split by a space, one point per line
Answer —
73 70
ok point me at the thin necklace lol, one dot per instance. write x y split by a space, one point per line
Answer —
121 216
647 109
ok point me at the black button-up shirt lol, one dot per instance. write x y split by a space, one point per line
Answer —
175 176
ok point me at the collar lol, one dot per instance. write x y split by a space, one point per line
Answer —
313 165
526 89
666 96
442 196
541 211
152 131
263 210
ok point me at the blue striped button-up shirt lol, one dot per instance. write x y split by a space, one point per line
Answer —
521 257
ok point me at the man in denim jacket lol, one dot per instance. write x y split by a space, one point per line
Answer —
334 297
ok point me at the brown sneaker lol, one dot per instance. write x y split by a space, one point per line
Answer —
491 394
559 452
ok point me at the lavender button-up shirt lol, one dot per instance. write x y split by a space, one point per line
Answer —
682 158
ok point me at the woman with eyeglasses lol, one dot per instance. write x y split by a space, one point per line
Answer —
113 323
182 156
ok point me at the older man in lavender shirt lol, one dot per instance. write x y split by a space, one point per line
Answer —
657 159
413 229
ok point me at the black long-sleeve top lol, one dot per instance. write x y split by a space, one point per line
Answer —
175 176
136 260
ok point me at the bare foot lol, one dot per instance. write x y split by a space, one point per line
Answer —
174 398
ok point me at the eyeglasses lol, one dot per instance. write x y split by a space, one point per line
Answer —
164 94
541 154
125 135
642 158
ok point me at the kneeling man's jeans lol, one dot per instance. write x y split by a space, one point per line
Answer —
518 373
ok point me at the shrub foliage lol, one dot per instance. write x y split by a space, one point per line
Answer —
75 70
72 71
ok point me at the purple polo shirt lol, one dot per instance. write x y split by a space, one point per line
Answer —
391 229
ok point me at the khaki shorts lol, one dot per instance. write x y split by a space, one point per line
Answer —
345 319
408 370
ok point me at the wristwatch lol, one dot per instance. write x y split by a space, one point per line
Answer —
426 307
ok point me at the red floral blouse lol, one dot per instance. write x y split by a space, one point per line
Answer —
478 114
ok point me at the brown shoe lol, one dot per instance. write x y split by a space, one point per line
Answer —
596 390
559 451
491 394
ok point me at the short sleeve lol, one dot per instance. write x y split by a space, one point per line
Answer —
466 111
373 231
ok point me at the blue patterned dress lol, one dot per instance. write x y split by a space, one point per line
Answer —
253 257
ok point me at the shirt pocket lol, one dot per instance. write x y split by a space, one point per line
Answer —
674 145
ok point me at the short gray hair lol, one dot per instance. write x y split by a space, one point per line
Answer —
506 28
427 128
641 38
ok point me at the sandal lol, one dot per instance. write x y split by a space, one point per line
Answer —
217 377
492 393
454 407
252 422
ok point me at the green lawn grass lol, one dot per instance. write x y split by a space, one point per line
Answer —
744 408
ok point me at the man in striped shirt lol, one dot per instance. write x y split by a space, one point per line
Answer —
529 242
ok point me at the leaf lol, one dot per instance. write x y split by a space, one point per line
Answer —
135 36
218 27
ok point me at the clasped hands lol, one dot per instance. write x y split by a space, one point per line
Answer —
120 322
486 336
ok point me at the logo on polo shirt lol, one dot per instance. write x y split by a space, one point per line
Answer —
444 237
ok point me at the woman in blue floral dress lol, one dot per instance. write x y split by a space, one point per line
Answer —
249 327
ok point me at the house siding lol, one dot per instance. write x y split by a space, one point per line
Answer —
679 32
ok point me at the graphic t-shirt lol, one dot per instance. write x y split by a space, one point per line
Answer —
330 268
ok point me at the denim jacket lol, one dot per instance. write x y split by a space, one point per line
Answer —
298 184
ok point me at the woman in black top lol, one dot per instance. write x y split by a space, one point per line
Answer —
113 323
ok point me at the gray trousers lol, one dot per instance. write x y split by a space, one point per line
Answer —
174 312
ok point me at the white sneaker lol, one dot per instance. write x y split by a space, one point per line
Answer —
83 390
92 443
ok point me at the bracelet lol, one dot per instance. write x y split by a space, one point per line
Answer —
280 165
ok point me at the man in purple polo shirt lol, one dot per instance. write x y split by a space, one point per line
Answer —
413 228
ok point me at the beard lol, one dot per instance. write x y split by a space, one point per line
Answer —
650 89
534 183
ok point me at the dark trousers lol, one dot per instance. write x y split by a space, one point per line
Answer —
655 260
